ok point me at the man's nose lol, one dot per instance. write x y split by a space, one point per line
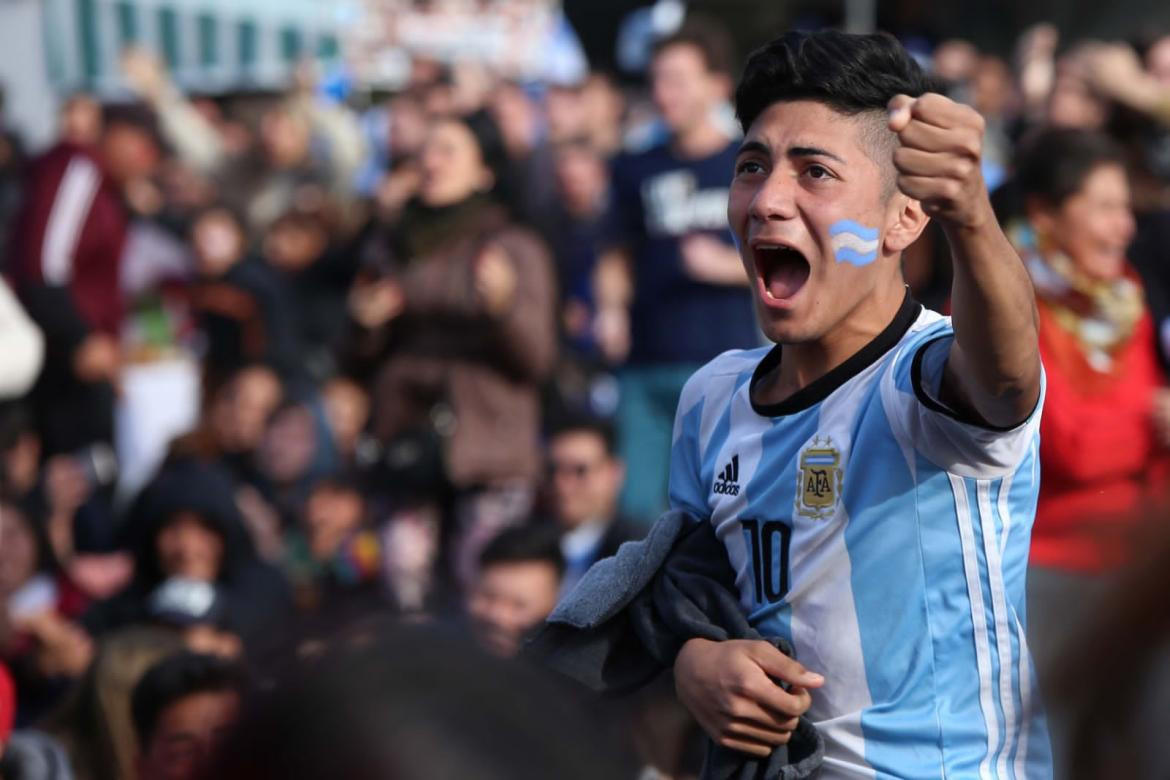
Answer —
775 199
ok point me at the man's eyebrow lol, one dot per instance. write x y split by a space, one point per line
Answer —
753 146
793 151
812 151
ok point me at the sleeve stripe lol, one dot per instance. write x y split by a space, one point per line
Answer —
67 218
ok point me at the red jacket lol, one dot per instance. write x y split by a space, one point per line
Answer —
1100 462
67 247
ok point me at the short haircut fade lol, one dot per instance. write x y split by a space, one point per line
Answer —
849 73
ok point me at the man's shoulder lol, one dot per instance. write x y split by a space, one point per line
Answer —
735 365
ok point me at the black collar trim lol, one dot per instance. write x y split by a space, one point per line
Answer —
820 389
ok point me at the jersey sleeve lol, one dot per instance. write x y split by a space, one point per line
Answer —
686 486
911 396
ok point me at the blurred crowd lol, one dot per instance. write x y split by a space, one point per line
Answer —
279 368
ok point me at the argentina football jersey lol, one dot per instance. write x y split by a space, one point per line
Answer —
887 540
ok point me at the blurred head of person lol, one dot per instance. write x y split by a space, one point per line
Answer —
81 120
297 444
1157 60
817 151
566 111
24 553
20 450
183 708
130 143
334 511
295 241
185 524
218 240
190 546
519 580
347 407
690 74
992 88
585 474
408 125
243 406
1073 103
604 108
1077 197
582 178
460 159
285 137
413 703
518 118
955 61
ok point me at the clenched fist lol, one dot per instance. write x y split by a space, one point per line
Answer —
938 160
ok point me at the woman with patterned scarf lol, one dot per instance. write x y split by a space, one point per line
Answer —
1102 435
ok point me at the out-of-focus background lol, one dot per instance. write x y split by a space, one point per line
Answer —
321 319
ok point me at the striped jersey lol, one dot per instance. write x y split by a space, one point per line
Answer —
887 540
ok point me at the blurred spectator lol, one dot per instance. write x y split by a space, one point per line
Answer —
81 120
95 725
195 564
585 478
419 705
519 578
671 294
39 637
332 557
460 328
183 709
1106 421
66 254
317 275
12 161
242 306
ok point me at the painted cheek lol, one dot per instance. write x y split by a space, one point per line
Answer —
853 242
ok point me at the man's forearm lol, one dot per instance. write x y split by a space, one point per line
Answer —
995 360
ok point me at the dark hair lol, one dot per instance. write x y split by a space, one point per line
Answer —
1055 163
526 544
137 116
709 37
489 140
177 677
602 429
848 73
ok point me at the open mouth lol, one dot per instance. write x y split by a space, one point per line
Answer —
782 272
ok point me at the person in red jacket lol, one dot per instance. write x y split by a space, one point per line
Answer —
65 260
1101 453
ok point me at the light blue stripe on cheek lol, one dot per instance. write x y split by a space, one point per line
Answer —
846 255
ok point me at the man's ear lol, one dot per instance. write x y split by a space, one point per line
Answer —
905 222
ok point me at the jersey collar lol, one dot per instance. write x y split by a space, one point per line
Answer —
820 389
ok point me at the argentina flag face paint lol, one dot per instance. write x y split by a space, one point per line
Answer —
853 242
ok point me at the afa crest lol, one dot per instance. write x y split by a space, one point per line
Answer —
819 479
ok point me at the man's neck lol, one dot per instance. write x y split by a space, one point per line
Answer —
702 140
802 364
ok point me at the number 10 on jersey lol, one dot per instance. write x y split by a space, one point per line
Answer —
768 542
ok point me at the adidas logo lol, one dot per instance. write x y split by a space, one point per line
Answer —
727 483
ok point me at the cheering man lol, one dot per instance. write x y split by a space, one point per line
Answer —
874 475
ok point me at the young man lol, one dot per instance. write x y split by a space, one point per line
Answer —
669 289
183 707
873 476
585 477
516 588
